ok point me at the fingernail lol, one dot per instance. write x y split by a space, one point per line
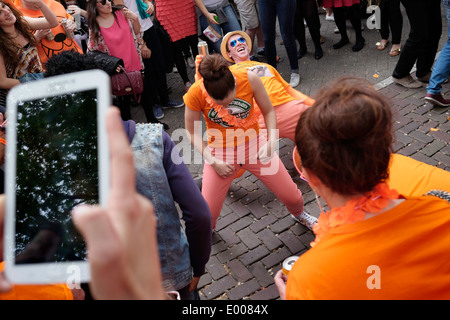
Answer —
80 209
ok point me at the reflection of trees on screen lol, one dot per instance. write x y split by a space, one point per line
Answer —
56 164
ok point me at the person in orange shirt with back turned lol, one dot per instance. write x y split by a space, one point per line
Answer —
373 243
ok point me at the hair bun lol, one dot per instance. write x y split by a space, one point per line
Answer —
218 79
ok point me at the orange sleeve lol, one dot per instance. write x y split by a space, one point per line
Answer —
414 178
37 292
193 98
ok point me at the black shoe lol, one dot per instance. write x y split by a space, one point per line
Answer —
340 44
358 45
318 54
301 53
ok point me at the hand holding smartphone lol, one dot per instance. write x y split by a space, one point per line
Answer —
57 158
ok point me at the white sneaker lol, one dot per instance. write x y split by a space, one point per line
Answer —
295 80
329 17
305 219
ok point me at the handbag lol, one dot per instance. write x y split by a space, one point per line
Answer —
127 83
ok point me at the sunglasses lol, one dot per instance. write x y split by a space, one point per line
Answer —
235 42
103 2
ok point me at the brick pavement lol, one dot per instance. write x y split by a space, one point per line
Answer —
255 233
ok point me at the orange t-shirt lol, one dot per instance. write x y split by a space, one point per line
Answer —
275 85
402 253
47 48
414 178
37 292
220 133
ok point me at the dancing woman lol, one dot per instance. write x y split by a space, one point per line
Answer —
235 140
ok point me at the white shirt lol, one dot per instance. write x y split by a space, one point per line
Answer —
212 3
145 23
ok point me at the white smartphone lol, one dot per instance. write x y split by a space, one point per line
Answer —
57 157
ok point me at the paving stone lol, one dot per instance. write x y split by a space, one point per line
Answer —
425 138
412 148
243 290
219 287
261 274
229 236
225 221
215 268
257 209
232 252
248 185
282 224
291 241
254 255
269 293
409 127
239 271
269 239
263 223
432 148
241 223
276 257
240 209
249 238
423 158
445 159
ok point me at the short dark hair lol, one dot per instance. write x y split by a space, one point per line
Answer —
68 62
345 138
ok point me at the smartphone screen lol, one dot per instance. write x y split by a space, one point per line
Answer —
56 169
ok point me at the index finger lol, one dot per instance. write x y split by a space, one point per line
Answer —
122 163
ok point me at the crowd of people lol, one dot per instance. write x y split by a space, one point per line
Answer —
343 138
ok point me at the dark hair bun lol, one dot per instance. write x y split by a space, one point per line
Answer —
217 77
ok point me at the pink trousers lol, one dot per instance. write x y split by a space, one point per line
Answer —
287 118
272 173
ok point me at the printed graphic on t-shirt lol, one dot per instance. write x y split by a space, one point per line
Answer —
238 108
261 71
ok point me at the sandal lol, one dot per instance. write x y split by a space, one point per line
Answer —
394 52
381 46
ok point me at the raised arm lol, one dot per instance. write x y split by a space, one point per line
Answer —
47 22
209 16
130 15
